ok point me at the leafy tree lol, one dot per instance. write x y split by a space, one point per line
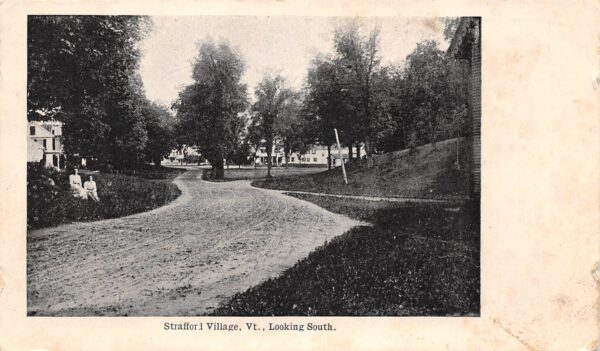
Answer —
383 102
239 154
344 92
326 106
254 137
450 27
160 128
274 101
209 111
358 63
291 127
434 91
83 71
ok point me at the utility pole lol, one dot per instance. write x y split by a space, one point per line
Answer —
337 139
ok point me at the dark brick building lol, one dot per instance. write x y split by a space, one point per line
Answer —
466 44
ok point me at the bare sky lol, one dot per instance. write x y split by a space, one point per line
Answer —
268 44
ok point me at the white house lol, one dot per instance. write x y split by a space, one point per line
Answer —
178 156
316 155
44 143
261 157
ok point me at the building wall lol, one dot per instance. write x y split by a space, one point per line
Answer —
317 155
470 28
35 152
475 102
45 144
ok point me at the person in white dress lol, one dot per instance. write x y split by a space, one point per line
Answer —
90 188
76 188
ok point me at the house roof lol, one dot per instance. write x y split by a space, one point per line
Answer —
43 129
41 132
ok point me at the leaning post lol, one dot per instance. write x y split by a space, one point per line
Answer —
337 139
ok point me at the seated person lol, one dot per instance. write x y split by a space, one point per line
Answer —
90 188
76 188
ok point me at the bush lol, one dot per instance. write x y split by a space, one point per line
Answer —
50 202
43 195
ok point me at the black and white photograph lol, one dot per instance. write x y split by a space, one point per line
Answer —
253 166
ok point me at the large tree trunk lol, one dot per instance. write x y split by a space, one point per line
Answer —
286 156
358 153
269 164
329 157
350 152
219 169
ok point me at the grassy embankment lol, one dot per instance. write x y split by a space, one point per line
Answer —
120 195
415 259
251 173
427 173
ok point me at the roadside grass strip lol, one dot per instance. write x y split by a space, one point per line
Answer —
414 260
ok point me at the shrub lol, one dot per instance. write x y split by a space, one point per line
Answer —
49 199
42 196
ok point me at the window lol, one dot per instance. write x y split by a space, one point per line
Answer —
322 154
52 131
44 142
31 130
53 143
314 152
314 159
292 159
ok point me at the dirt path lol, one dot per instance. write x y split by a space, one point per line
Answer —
182 259
381 198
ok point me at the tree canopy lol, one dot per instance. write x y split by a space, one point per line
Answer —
275 114
385 108
83 71
210 110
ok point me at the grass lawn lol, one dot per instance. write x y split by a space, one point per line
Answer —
415 260
120 195
251 173
428 173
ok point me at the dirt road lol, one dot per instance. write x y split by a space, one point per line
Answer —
182 259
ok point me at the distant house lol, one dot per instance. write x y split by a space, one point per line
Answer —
260 156
184 155
44 143
316 155
466 44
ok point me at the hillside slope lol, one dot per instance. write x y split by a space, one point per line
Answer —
427 173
